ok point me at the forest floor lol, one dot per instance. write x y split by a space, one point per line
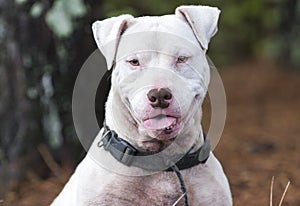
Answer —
261 139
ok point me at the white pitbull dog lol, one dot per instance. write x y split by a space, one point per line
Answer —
159 80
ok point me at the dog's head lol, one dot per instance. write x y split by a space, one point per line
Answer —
160 73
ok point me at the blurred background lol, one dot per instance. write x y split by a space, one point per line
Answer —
45 42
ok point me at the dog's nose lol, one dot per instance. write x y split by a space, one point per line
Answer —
159 98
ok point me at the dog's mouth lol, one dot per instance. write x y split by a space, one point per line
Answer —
164 124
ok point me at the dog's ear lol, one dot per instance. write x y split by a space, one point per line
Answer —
202 19
107 34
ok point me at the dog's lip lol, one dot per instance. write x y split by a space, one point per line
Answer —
158 115
154 114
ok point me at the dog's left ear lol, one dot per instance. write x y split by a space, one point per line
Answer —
202 19
107 34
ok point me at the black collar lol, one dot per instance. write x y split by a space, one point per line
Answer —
125 153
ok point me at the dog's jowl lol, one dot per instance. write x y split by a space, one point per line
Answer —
151 149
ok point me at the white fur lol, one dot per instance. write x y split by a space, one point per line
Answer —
127 105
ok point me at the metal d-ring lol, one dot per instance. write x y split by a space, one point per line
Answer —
100 143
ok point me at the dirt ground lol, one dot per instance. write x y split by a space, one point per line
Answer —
260 140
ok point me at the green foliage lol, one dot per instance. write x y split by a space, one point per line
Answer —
62 15
146 7
36 9
19 2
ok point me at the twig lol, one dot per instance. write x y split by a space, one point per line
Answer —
178 199
271 191
54 167
284 193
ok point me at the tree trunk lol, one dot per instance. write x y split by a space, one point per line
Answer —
289 32
20 115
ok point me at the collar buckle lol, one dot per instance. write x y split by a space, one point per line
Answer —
120 149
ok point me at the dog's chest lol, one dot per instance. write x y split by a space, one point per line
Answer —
143 191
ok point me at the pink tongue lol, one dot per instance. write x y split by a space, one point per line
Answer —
159 123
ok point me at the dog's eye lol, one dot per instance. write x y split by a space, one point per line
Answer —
182 59
134 62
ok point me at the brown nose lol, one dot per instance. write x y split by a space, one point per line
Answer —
159 98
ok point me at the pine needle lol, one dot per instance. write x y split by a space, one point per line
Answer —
284 193
271 192
178 199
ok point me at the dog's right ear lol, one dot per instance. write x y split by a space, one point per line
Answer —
202 19
107 35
